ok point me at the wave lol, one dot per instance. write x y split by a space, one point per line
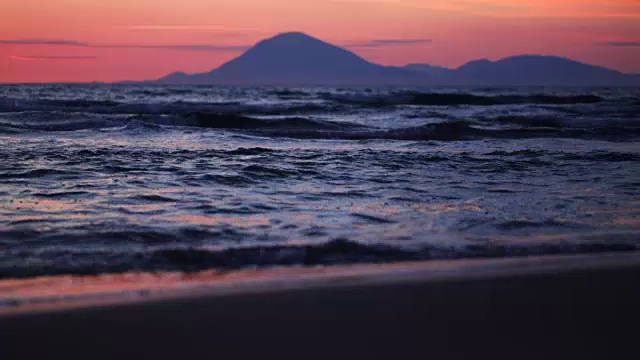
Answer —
308 128
58 121
285 102
449 131
240 122
538 121
518 153
335 252
467 99
450 99
591 156
109 107
601 156
456 130
250 151
38 173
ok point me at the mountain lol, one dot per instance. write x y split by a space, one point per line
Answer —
299 59
428 69
294 58
532 70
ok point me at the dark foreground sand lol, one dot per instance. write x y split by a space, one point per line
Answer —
577 312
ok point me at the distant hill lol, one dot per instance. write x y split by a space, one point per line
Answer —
291 59
529 70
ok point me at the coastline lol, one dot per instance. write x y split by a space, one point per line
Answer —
63 293
552 307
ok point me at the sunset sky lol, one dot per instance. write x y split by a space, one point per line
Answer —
98 40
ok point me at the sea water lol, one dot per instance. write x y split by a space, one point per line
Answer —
101 179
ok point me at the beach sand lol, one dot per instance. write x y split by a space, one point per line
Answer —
565 307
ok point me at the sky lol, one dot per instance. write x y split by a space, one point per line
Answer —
98 40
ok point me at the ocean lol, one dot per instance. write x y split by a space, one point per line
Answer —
112 179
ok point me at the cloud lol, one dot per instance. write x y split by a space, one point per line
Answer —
392 42
183 47
375 43
456 6
51 57
220 30
175 28
620 43
45 42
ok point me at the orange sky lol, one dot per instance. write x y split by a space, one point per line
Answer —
99 40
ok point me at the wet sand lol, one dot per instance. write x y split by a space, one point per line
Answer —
550 309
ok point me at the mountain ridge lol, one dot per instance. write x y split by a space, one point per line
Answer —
295 58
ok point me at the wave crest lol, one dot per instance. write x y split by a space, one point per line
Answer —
335 252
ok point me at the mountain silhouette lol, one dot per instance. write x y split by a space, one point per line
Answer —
295 58
528 70
298 59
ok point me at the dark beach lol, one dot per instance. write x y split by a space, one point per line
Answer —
565 307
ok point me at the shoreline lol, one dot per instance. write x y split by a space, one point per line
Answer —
554 308
68 293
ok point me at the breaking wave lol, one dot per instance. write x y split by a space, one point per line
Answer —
287 101
449 99
335 252
309 128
